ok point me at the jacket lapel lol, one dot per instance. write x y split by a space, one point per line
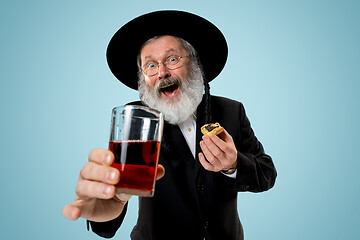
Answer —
173 140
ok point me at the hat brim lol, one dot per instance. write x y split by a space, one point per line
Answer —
204 36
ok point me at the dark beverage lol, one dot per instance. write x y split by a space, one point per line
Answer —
136 160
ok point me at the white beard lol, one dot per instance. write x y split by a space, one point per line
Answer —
175 110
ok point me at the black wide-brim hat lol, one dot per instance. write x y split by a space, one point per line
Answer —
204 36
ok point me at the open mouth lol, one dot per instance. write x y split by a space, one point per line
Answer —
169 89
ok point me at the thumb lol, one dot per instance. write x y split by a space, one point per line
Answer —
77 208
225 136
71 211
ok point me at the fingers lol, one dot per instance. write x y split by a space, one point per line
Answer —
208 166
101 156
160 172
213 145
218 154
100 173
90 189
97 178
223 143
95 185
211 151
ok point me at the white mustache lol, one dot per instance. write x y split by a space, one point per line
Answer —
167 82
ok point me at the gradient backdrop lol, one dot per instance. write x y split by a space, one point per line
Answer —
294 64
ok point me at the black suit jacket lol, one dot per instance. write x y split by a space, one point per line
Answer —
191 202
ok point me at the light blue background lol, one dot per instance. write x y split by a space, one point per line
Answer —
294 64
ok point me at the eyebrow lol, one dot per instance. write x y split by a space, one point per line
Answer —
171 50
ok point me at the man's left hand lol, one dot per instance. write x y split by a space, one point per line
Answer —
218 154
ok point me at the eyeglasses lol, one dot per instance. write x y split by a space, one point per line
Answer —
172 62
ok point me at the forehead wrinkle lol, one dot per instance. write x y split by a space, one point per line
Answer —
166 53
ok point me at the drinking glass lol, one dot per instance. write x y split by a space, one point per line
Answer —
135 137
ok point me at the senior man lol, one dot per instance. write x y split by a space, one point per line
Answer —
169 57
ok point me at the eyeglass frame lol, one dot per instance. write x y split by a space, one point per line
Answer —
164 63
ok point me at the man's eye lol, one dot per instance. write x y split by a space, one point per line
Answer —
172 59
151 65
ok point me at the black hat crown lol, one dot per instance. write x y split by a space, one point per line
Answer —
204 36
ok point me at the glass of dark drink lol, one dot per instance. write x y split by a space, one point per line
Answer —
135 138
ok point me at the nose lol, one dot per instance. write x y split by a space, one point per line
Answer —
163 72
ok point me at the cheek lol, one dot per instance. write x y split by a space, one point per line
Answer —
150 82
182 72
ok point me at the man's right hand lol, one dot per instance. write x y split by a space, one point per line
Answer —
96 197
